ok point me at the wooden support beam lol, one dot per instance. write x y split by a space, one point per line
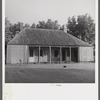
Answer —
28 54
60 54
50 53
70 54
39 55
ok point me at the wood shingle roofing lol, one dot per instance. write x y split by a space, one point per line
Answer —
46 37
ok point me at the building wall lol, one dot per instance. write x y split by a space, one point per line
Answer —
17 54
20 54
86 54
43 58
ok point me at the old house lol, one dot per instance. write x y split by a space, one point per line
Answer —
47 46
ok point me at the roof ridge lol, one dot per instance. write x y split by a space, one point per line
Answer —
45 29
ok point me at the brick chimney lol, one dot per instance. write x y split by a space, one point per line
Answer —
21 26
65 29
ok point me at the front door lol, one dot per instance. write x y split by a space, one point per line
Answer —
63 55
31 54
74 54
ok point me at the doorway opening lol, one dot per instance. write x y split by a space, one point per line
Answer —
74 54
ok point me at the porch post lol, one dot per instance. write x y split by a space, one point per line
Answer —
70 54
39 55
60 54
27 54
50 53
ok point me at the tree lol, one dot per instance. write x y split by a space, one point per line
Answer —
33 25
49 24
11 30
62 28
52 24
41 24
7 23
72 26
8 33
83 27
56 25
27 25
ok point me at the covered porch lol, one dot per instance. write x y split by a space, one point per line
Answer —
52 54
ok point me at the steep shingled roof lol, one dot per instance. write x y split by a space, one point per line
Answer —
46 37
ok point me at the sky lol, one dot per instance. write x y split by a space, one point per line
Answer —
29 11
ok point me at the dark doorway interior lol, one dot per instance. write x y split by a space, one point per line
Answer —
63 55
31 51
74 54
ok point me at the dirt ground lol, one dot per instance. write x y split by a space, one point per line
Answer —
50 73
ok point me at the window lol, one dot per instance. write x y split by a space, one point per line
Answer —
31 51
56 53
41 53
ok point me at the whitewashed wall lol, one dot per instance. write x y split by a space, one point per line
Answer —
17 54
86 54
35 58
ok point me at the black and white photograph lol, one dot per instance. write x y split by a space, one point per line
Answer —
50 41
50 49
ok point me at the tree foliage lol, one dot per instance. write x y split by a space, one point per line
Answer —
33 25
8 33
11 30
82 27
41 24
27 25
48 25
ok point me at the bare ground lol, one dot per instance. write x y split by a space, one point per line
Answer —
50 73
